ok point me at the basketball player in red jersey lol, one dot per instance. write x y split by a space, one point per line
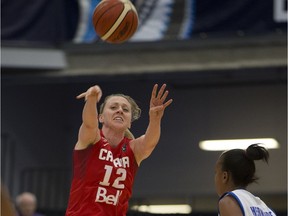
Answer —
106 160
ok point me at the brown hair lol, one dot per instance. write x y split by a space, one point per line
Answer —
136 111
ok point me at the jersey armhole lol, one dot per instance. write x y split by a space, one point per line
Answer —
136 165
237 200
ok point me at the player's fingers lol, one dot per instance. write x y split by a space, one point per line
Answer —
161 91
153 94
81 95
164 96
99 96
167 103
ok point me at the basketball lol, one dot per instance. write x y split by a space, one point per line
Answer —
115 21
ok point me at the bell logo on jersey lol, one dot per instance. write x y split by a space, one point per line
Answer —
109 199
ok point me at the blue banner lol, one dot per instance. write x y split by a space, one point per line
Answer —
56 21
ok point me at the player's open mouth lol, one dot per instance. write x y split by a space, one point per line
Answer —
118 119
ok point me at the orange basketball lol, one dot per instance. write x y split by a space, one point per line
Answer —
115 21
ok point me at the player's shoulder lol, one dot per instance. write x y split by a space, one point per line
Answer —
229 205
227 200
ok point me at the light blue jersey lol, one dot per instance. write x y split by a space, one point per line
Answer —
250 205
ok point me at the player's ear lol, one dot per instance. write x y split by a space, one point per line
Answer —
100 117
225 177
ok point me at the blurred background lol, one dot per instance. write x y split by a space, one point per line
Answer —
225 65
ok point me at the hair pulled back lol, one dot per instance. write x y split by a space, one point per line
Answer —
136 111
240 163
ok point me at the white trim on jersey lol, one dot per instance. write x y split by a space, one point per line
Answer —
250 205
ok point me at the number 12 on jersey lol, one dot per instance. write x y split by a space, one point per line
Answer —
118 182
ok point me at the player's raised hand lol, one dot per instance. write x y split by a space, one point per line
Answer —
92 91
158 101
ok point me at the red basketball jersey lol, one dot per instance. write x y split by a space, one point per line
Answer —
103 178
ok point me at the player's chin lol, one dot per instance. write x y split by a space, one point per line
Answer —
120 125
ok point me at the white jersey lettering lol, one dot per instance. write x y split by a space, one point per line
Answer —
102 196
118 162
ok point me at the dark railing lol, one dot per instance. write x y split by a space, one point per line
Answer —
50 185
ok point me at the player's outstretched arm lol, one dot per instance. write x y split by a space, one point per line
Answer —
144 145
89 132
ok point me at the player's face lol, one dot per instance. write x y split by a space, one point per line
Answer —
117 113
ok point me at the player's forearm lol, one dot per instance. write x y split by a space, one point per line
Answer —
152 135
90 114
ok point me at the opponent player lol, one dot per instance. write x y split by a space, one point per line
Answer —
106 160
235 170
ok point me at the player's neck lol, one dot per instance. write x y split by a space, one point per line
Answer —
113 137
